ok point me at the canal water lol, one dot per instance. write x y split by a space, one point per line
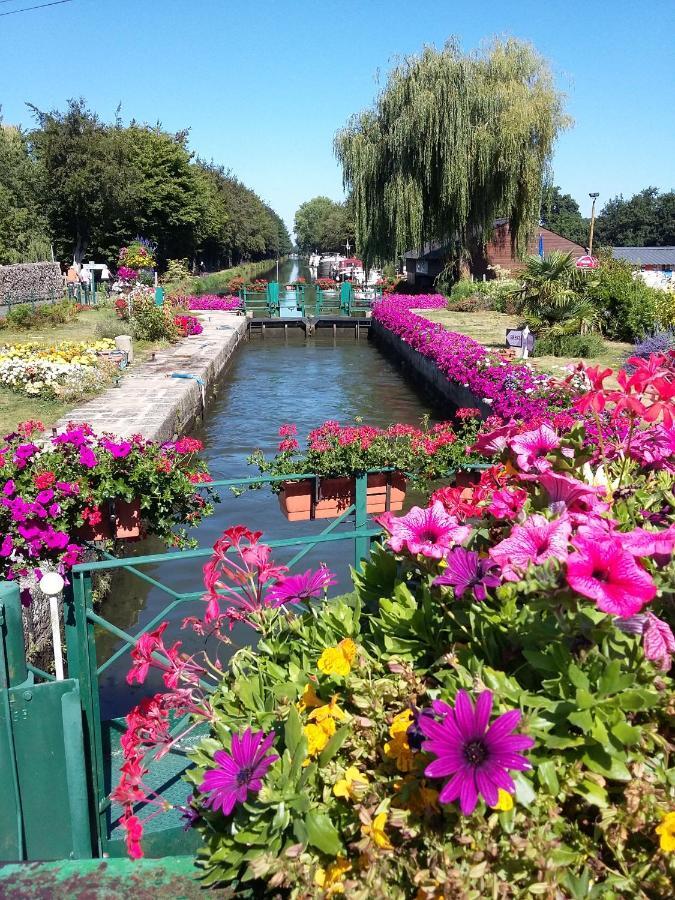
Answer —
270 381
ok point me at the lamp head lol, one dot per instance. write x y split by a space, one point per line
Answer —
51 584
594 196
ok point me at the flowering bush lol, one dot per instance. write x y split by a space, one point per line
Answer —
209 301
326 284
511 389
151 322
188 325
50 488
345 450
124 273
257 286
486 715
140 254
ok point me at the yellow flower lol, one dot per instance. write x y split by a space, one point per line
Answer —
348 787
504 801
666 831
330 878
309 698
399 749
338 660
401 723
416 796
375 831
317 738
327 711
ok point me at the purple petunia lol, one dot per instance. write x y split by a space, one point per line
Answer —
238 772
477 757
466 571
300 588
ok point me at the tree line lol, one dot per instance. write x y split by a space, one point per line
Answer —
647 219
85 187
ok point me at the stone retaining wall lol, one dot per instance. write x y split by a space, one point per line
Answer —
30 281
424 370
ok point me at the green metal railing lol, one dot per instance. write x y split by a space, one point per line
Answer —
81 622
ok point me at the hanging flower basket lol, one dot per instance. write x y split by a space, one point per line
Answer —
124 514
298 500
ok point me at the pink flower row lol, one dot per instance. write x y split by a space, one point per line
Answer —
511 390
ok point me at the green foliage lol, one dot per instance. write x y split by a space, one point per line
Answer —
20 316
23 227
176 270
629 306
560 212
321 224
452 142
586 346
646 220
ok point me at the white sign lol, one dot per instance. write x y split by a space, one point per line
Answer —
421 267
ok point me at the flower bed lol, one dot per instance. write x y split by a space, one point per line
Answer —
487 714
188 325
58 371
513 390
51 488
334 450
209 301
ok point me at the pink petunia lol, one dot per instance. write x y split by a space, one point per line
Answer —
606 572
532 448
658 642
431 531
532 543
641 542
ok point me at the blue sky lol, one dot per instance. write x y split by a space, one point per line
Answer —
263 85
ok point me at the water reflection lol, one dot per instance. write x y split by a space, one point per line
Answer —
271 380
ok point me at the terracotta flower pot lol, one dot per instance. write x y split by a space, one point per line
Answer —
298 504
466 478
127 519
101 531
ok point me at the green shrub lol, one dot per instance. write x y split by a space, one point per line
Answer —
20 316
629 306
113 327
586 346
153 323
176 270
57 313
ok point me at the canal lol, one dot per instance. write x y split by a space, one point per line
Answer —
270 381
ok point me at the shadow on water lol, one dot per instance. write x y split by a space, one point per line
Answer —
270 381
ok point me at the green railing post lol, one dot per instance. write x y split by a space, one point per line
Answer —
361 543
82 665
11 627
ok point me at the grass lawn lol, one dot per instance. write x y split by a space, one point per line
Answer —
489 329
15 407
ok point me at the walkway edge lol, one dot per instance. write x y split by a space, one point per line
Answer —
149 401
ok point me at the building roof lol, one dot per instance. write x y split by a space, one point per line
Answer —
646 256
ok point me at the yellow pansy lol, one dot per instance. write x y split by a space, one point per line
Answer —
349 787
401 723
504 801
375 831
330 878
338 660
666 832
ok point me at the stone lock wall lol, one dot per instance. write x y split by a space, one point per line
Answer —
30 281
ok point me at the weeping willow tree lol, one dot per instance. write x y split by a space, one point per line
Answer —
452 142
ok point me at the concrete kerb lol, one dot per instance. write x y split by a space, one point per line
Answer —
152 403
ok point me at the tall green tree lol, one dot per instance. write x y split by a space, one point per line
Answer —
322 224
560 212
647 219
452 142
23 227
86 180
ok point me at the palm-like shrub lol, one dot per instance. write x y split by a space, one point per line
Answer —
553 297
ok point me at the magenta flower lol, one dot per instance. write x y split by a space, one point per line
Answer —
641 542
477 757
431 531
300 588
658 642
568 493
87 457
238 772
607 573
466 571
532 543
532 448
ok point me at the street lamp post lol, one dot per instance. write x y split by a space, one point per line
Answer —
593 197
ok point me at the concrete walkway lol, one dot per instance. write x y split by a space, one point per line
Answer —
149 401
